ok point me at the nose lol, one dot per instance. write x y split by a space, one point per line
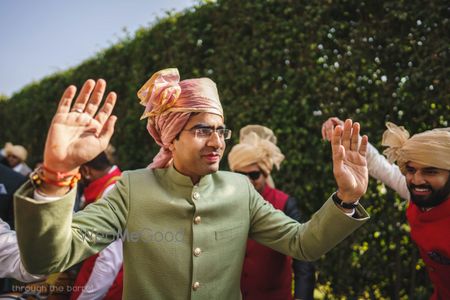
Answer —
215 140
417 178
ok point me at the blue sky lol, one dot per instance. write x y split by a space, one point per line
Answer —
38 38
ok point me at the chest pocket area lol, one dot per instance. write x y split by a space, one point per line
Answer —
229 233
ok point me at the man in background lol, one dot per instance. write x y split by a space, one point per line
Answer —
267 274
422 177
101 275
15 157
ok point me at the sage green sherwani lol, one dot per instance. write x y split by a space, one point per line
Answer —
180 241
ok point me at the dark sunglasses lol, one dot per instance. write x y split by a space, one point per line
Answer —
252 175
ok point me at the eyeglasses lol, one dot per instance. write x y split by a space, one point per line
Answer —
205 132
252 175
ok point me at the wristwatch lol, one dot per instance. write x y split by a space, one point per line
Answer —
343 204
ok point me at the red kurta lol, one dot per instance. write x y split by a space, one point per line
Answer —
92 193
430 230
267 274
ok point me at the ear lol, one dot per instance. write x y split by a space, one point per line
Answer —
172 146
84 171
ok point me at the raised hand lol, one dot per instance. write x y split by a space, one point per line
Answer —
328 125
349 161
79 133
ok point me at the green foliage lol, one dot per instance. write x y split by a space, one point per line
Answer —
288 65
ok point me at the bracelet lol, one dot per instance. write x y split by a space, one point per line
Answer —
60 175
343 204
37 177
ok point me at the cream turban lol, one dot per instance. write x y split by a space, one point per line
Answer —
168 105
430 148
16 150
257 144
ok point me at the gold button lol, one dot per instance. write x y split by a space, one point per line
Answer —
196 195
197 251
195 285
197 220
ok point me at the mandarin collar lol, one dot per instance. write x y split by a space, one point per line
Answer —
186 181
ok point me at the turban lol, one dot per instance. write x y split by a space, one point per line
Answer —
257 144
169 104
429 148
16 150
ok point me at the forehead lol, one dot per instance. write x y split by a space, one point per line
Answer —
416 165
207 119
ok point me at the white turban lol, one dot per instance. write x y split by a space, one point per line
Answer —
257 144
16 150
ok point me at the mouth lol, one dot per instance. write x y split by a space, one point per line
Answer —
212 157
421 190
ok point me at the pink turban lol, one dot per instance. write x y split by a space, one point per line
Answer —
169 104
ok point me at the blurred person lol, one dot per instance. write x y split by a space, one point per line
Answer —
101 275
10 181
267 274
15 157
183 223
422 177
10 264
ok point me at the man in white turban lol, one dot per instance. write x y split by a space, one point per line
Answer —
15 157
422 175
267 274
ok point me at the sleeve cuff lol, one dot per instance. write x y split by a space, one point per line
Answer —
42 197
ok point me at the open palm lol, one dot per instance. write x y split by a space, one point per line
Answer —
349 161
80 133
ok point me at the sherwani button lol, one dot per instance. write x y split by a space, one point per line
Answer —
197 251
197 220
196 285
196 195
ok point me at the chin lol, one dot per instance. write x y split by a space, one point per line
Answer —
211 169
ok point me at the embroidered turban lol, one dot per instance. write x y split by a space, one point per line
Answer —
169 103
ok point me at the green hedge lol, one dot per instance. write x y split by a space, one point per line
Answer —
288 65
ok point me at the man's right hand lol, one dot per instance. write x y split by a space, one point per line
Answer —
78 132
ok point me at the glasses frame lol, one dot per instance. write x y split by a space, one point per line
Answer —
205 132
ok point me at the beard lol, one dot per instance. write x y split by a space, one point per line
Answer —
436 197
